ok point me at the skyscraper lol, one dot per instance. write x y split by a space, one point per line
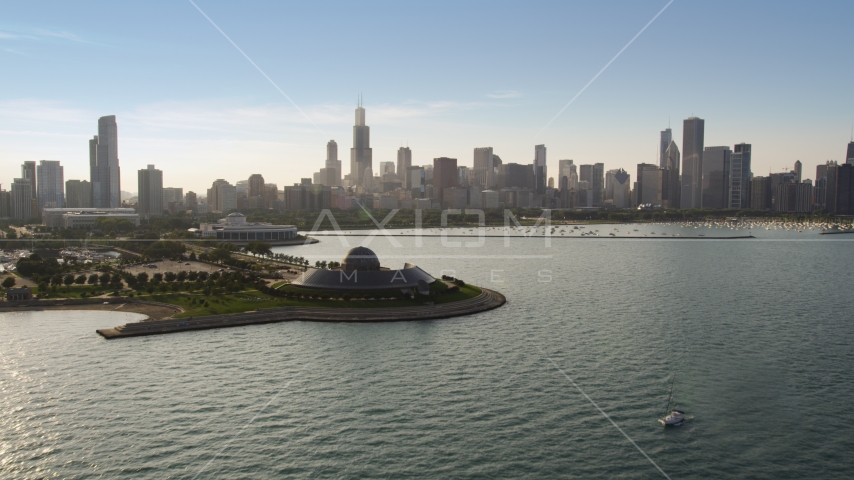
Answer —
598 184
150 192
820 191
386 168
444 175
332 162
78 194
484 167
666 138
173 199
648 188
361 155
716 168
404 161
849 155
222 196
692 162
617 188
739 177
22 199
798 171
28 172
104 165
256 185
840 189
671 189
51 184
566 168
540 172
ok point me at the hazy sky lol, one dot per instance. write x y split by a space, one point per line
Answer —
445 77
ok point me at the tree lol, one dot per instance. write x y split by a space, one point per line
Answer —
170 276
93 279
182 276
142 278
104 278
219 254
157 277
192 256
9 282
68 279
80 280
56 280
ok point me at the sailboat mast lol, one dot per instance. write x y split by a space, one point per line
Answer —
670 397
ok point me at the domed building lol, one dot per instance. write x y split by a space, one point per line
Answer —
361 270
360 259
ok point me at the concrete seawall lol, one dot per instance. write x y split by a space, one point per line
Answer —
487 300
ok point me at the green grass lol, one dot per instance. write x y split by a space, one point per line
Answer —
74 291
254 300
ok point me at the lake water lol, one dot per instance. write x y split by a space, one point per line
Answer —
758 334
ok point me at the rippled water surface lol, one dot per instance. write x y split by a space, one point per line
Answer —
758 334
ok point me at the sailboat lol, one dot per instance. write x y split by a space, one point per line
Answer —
675 417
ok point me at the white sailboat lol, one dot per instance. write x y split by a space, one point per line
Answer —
675 417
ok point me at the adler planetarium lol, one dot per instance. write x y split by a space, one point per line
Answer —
360 270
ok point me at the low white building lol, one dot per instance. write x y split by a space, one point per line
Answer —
235 228
85 217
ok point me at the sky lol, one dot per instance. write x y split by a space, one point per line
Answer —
441 77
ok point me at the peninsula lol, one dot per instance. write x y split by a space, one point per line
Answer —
359 290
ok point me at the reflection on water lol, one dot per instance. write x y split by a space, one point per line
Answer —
756 333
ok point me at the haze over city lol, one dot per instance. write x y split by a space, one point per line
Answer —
443 79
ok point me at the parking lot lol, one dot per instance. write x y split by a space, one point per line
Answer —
173 266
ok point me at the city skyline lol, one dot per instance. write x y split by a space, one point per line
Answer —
231 120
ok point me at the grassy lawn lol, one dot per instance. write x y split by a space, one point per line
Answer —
193 303
74 291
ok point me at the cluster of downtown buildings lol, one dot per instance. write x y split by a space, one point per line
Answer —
715 177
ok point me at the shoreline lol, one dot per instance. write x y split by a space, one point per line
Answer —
487 300
152 310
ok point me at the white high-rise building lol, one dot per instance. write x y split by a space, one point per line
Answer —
51 184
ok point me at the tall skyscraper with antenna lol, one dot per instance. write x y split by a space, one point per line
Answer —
361 156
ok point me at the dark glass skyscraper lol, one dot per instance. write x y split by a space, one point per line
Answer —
540 169
716 170
361 156
692 162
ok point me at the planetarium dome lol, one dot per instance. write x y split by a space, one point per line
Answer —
360 259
